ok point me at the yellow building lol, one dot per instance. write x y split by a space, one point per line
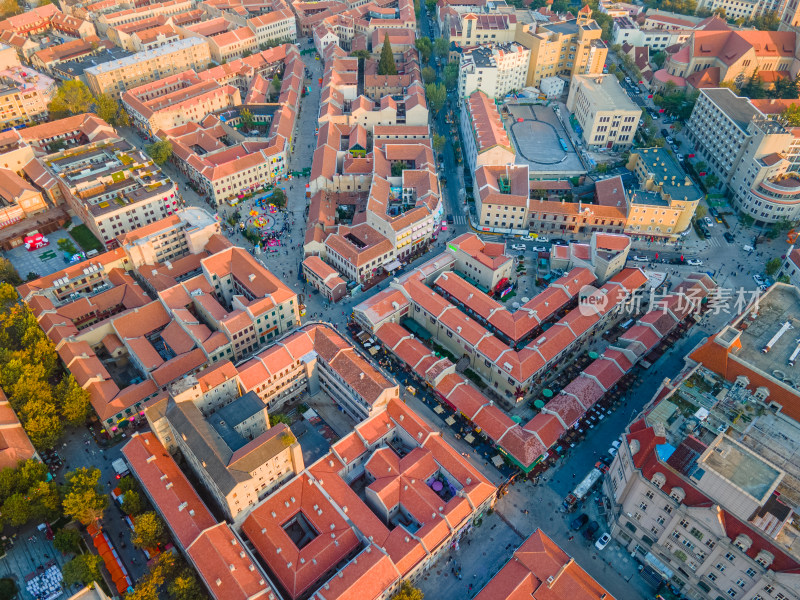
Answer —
571 47
605 112
665 202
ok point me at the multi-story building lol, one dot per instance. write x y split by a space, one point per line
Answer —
664 202
52 56
172 321
484 138
742 10
324 278
220 557
236 454
114 77
176 100
569 47
105 20
661 30
606 114
24 95
703 493
495 69
753 155
470 29
113 187
18 198
326 537
712 56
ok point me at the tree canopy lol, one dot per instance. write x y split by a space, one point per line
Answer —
428 75
67 541
441 47
149 530
84 497
408 592
83 569
72 98
425 48
160 151
386 64
437 95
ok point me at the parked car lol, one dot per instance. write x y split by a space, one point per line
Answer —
665 133
729 237
759 280
602 541
450 219
713 212
679 156
615 444
539 249
708 221
694 262
579 522
590 530
543 238
640 258
613 451
559 242
520 247
669 139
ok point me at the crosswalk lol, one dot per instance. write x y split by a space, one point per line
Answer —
460 219
715 242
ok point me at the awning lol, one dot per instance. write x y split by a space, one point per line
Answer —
497 460
373 351
469 438
450 421
655 562
438 409
392 266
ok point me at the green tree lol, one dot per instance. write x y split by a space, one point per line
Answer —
83 569
8 274
439 142
73 401
365 54
16 510
276 83
128 483
107 108
248 120
386 64
451 75
791 115
9 8
67 541
84 498
287 439
754 88
605 22
766 22
160 151
149 530
45 501
280 418
785 88
408 592
772 266
185 587
428 75
71 98
437 95
132 502
398 168
711 180
42 424
658 59
8 589
425 48
700 211
441 47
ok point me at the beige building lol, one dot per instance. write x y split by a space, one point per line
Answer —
24 95
116 76
496 70
18 198
571 47
235 452
113 188
186 231
666 199
605 112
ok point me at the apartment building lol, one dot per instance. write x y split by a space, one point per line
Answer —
45 18
48 58
661 30
114 77
222 560
106 20
235 453
753 154
606 114
472 29
176 100
484 138
704 500
743 10
495 69
324 499
324 278
666 197
177 317
18 198
354 24
317 359
113 187
569 47
24 95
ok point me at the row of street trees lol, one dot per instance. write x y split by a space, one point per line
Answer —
74 97
42 393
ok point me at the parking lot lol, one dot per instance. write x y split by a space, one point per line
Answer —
537 135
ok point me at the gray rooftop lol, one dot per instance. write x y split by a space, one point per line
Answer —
228 417
564 28
667 173
737 108
741 467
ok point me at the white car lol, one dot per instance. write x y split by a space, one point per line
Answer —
520 247
640 258
539 248
612 451
543 239
669 140
759 280
615 444
694 262
602 541
680 157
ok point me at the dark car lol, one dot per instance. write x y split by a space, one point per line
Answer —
729 237
579 522
559 242
664 132
590 530
450 219
714 212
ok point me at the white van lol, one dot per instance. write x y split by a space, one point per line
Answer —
748 248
